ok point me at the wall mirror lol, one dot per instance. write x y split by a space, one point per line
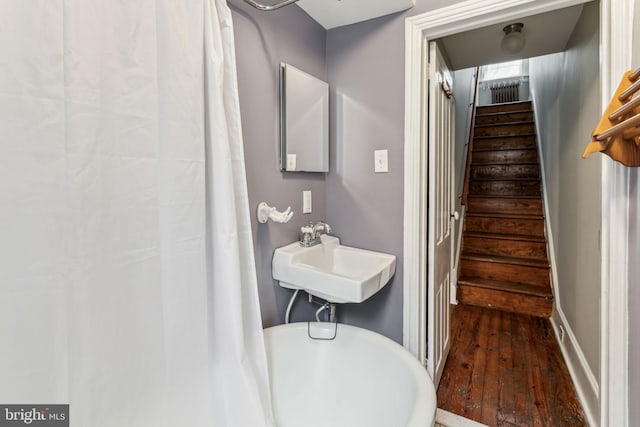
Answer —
304 121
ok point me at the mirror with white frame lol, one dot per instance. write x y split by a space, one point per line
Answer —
304 121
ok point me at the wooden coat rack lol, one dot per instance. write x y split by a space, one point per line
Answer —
618 132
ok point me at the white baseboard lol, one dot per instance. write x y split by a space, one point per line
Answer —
583 378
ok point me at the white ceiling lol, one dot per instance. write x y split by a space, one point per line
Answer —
336 13
545 33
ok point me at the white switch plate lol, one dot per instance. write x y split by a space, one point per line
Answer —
291 162
306 201
381 161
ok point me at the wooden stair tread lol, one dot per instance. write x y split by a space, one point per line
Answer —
503 136
500 188
503 113
500 236
507 179
490 125
490 196
526 205
513 172
502 178
502 104
504 215
502 163
520 148
505 260
506 144
526 149
508 165
498 104
520 288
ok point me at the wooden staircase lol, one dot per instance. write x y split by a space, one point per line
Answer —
504 263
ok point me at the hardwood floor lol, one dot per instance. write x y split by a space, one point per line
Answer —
505 369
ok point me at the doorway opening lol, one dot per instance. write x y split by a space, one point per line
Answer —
465 17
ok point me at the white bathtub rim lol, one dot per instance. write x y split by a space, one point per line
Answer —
425 390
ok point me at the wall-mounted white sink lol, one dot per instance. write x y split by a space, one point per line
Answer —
332 271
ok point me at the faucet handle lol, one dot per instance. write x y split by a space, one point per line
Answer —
306 235
322 226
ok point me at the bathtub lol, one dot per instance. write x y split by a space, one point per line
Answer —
357 379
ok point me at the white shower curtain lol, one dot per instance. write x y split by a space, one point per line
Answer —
127 279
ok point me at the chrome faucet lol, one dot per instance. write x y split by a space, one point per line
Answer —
310 234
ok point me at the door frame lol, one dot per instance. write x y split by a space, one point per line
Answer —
616 35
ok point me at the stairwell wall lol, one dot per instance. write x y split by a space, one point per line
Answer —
463 85
463 81
566 91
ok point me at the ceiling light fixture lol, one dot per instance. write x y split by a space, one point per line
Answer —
513 40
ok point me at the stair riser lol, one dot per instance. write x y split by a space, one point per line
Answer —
527 227
526 116
500 108
504 247
504 143
506 206
505 172
503 130
506 301
504 188
501 157
505 272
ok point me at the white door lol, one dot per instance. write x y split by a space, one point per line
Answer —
440 143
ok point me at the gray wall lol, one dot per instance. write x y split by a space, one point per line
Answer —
263 40
364 64
566 90
366 71
634 266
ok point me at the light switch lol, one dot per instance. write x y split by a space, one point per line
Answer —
381 161
306 201
291 162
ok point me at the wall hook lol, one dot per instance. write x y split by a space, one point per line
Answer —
266 212
618 132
